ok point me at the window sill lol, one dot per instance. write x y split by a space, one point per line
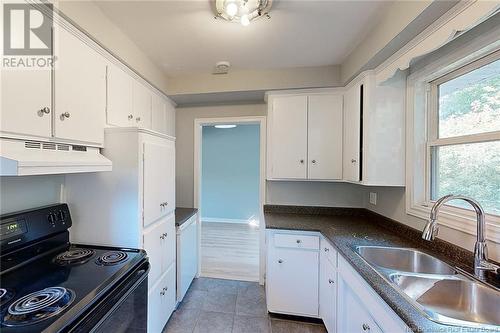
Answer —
459 219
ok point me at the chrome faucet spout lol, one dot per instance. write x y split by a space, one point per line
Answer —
430 231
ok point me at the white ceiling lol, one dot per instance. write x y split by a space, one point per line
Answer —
183 37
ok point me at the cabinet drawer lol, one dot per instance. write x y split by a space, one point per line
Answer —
329 252
297 241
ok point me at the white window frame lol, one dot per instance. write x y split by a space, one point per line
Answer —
422 122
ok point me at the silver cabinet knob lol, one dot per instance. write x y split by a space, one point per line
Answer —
353 161
330 281
366 327
301 161
313 161
165 234
280 261
162 236
165 288
162 293
45 110
65 115
130 117
299 241
327 249
138 119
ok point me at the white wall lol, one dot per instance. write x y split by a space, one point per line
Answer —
391 203
24 192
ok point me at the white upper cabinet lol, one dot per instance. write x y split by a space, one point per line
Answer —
374 131
26 116
305 136
142 99
158 114
80 90
287 137
119 110
170 113
324 140
352 133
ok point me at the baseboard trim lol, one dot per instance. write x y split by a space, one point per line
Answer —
218 219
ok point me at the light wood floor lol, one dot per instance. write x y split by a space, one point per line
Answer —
230 251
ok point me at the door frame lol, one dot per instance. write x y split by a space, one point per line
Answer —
261 121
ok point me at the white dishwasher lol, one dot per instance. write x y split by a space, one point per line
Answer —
187 253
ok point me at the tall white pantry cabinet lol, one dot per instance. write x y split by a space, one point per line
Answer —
133 206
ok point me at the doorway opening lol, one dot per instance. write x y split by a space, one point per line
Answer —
229 191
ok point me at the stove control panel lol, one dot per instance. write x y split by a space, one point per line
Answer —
20 228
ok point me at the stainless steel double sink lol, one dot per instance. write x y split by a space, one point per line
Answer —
436 288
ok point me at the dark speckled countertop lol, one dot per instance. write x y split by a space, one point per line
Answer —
350 227
183 214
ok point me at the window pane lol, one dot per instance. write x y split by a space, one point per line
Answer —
470 103
469 169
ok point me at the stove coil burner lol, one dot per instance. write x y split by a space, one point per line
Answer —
5 296
74 256
112 258
38 306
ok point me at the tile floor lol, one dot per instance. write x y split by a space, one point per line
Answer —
220 306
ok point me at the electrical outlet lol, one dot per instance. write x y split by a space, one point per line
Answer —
373 198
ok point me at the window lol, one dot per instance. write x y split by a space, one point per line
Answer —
463 142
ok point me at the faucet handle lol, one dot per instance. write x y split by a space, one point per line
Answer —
485 265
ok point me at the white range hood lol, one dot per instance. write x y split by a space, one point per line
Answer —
22 158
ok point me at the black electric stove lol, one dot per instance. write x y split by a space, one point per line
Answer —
50 285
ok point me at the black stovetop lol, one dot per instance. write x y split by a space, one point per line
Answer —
88 282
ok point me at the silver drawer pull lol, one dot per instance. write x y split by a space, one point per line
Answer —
162 236
353 161
280 261
65 115
165 289
366 327
299 241
162 293
330 281
327 249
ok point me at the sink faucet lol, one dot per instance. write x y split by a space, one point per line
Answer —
481 263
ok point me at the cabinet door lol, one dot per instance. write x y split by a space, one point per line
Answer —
325 137
169 242
292 280
158 115
141 105
21 115
168 173
154 245
24 94
157 317
328 293
352 134
155 179
170 114
288 137
169 297
119 97
352 314
80 91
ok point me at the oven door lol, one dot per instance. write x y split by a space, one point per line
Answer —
124 309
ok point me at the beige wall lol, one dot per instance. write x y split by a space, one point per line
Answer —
247 80
184 128
395 18
285 193
89 17
391 203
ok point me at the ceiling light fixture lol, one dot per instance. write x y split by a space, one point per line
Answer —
241 11
225 126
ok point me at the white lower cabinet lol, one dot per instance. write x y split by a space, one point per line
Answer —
161 301
307 277
292 274
328 286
